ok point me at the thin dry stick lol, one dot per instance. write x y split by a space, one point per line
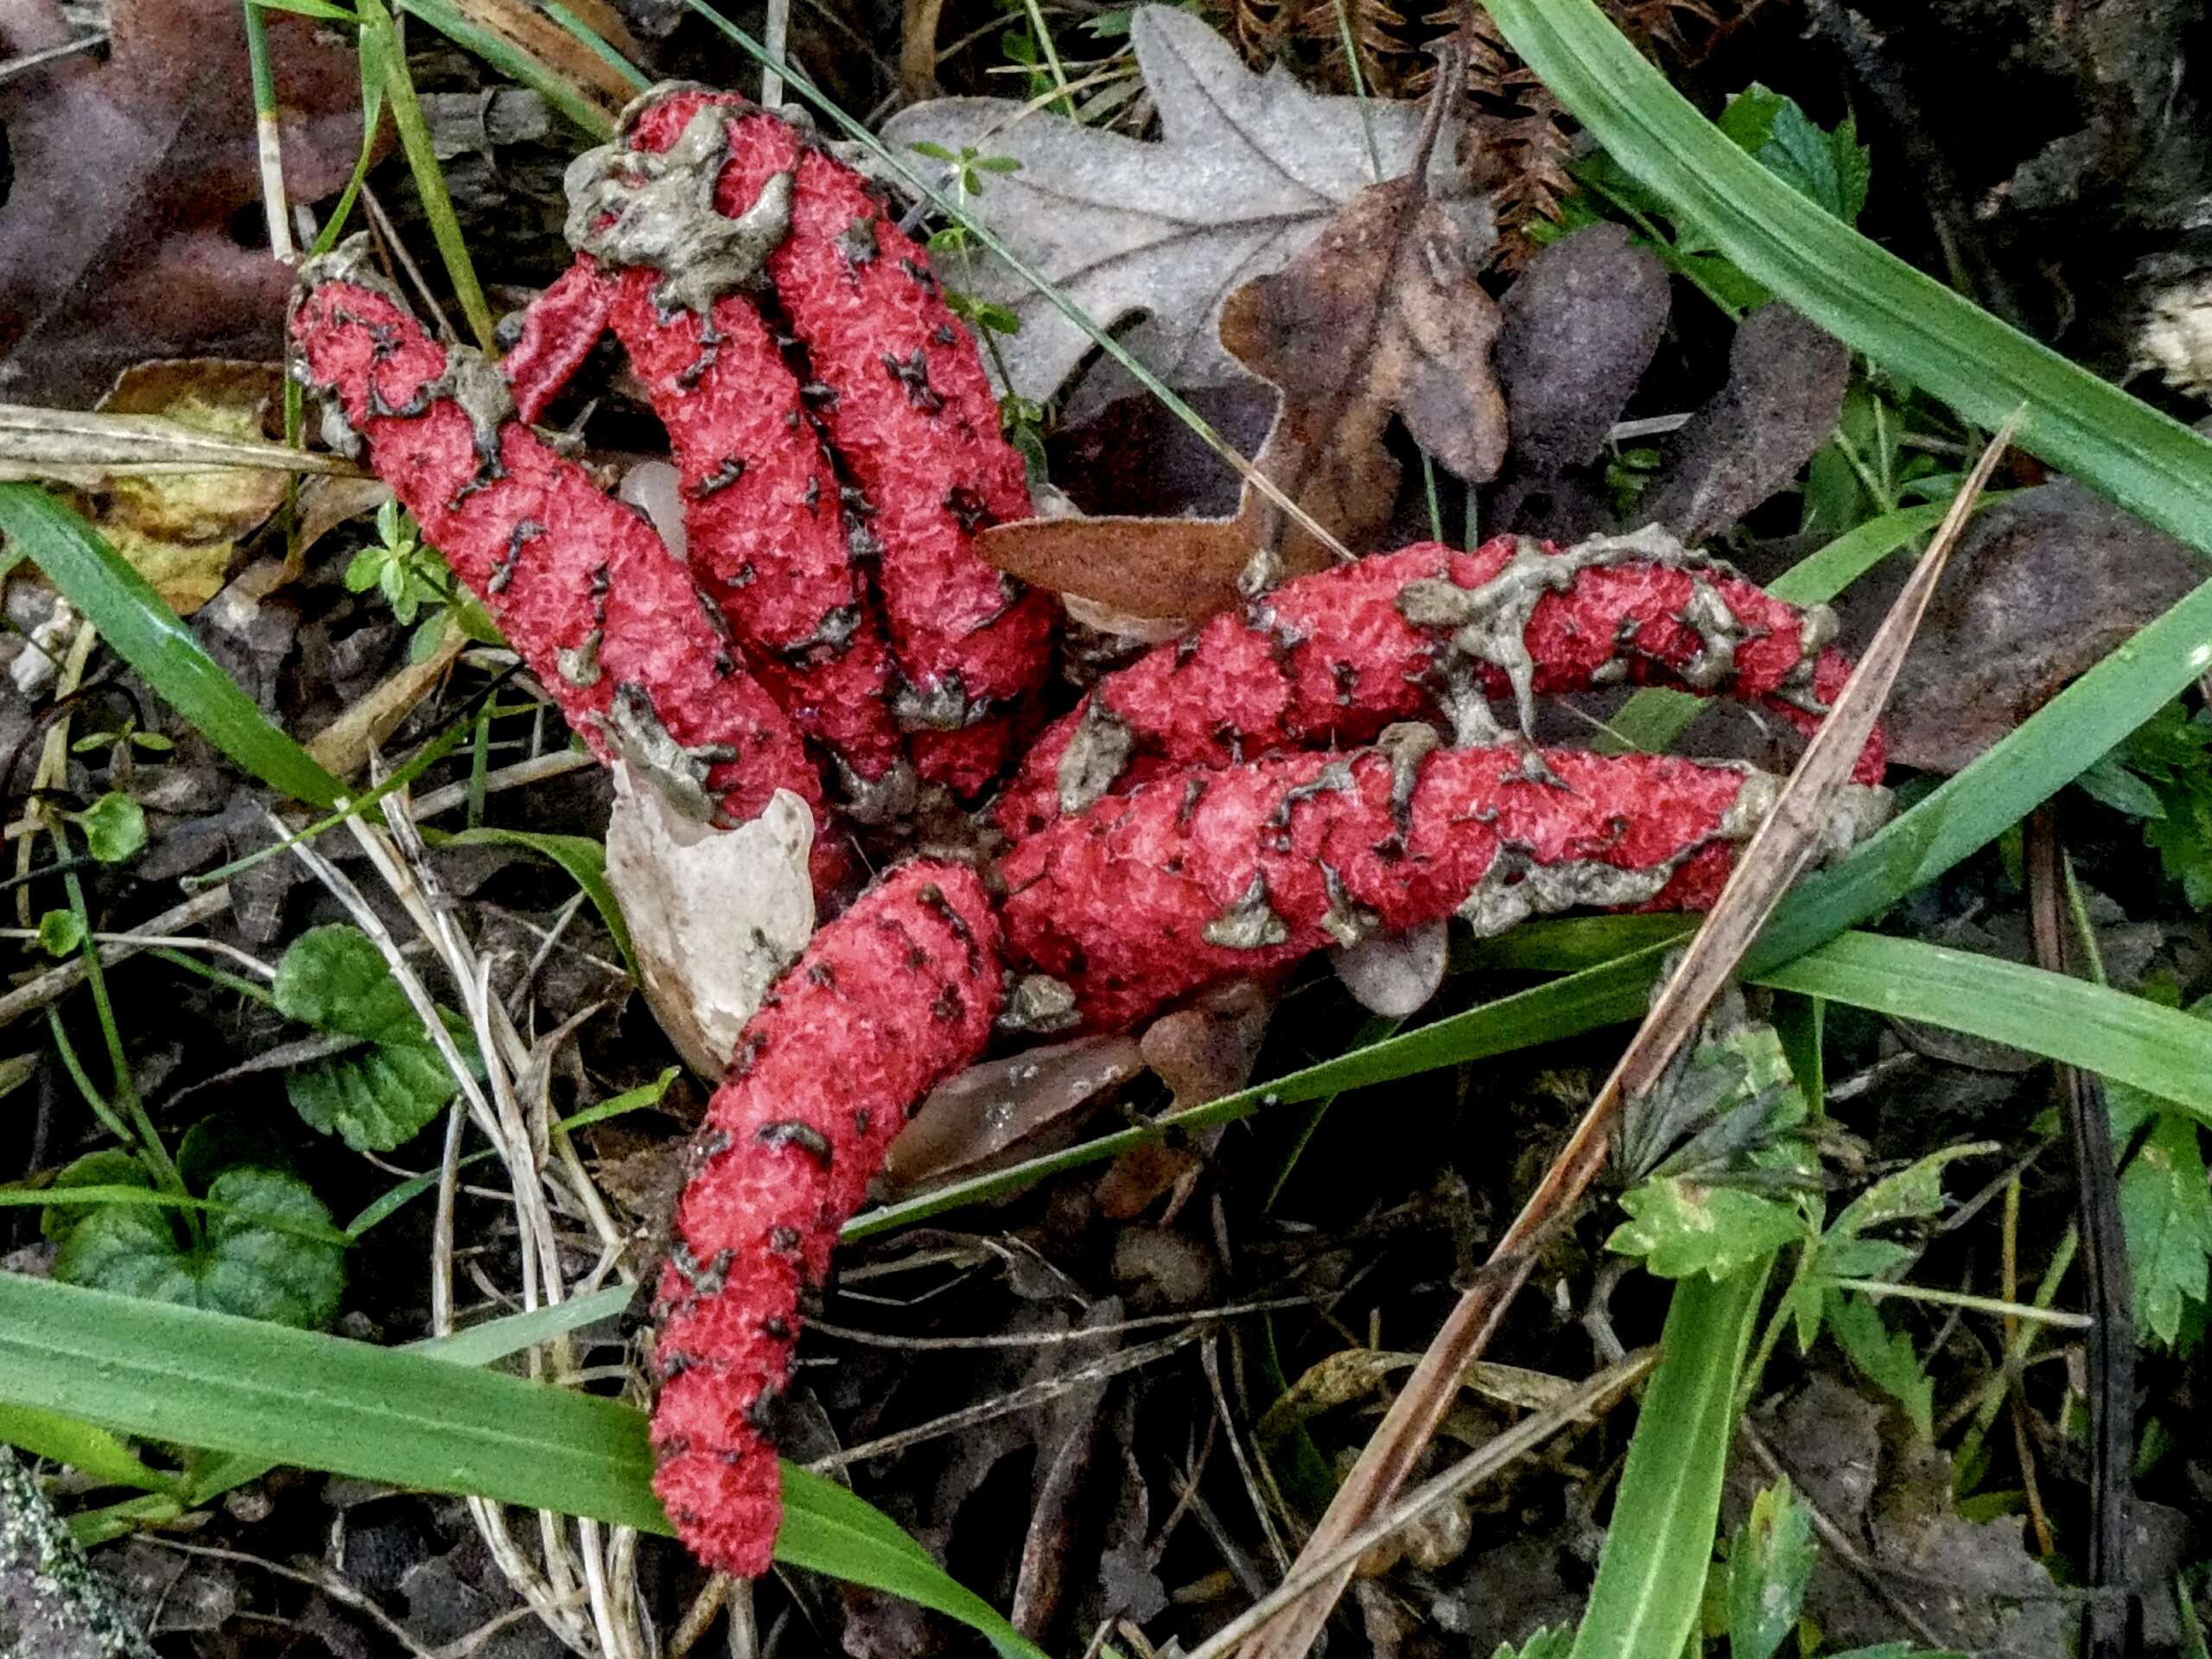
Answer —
1593 1395
1785 844
1054 1338
431 803
523 1148
1020 1399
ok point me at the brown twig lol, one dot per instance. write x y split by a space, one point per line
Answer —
2112 1624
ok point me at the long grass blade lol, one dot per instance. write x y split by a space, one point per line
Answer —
149 636
408 1419
1651 1577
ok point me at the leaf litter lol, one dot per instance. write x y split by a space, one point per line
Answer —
1735 451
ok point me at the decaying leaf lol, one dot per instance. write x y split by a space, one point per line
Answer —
968 1123
1394 973
1577 330
129 232
179 530
2044 583
1786 381
1379 317
1248 170
715 915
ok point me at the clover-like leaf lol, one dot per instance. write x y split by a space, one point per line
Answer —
114 827
383 1092
270 1251
1680 1227
110 1167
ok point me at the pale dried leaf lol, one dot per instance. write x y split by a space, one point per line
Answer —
1247 169
1394 973
67 446
715 915
179 527
1379 317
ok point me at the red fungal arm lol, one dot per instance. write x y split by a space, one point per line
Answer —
1333 658
559 329
580 585
1211 875
902 394
764 525
887 1001
765 520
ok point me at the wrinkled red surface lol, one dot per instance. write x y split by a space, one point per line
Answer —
1241 799
559 329
1116 899
907 405
887 1001
1328 659
764 527
567 560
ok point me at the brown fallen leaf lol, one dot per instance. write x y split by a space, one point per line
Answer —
1577 330
130 231
1786 381
1381 316
1201 1053
179 530
2044 584
974 1119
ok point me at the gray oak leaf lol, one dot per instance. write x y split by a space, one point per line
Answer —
1246 172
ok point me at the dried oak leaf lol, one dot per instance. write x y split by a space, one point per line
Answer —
1379 317
1248 170
2044 584
130 231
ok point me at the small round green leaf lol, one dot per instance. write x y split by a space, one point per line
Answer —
382 1093
114 827
60 932
112 1167
242 1265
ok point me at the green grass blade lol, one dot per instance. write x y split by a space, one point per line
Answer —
1651 1576
2127 1038
1902 318
414 130
2048 751
584 859
89 1450
409 1419
149 636
593 41
518 65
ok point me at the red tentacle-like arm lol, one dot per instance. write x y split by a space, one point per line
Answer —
1207 875
887 1001
899 389
638 659
1333 658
